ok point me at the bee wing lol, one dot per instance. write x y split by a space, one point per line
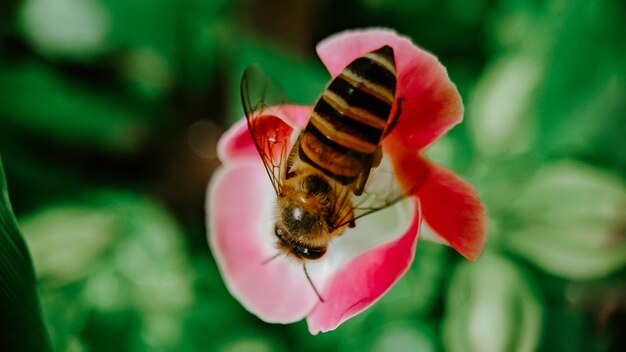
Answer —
259 91
382 190
270 134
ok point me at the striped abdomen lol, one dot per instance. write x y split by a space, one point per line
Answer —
349 119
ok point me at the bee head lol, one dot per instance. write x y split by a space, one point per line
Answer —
297 249
301 231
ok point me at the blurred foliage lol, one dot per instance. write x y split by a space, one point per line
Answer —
132 275
109 115
21 325
492 306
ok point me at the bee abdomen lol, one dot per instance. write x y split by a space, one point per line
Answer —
334 160
349 120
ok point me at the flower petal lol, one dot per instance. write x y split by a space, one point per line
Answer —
361 282
451 209
431 103
240 202
237 141
408 166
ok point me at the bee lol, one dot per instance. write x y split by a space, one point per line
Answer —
320 179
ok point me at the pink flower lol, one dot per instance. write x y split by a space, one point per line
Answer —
363 263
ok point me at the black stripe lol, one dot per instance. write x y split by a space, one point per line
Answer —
344 180
372 71
361 157
357 98
386 52
346 124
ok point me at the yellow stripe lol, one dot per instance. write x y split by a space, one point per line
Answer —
381 60
344 139
368 87
354 113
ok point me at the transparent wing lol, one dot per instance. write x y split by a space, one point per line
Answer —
270 134
259 91
382 190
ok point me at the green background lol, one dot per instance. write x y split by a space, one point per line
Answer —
110 111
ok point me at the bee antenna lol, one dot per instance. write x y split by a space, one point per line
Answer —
311 282
271 258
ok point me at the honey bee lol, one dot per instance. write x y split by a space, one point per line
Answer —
320 179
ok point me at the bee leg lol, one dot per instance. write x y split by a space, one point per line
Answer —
359 184
394 119
377 157
351 223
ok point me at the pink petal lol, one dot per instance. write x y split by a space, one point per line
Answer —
432 104
408 167
239 212
296 115
237 141
451 208
364 280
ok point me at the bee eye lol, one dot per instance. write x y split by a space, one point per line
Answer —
310 253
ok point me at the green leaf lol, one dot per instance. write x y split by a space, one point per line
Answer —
41 100
573 221
21 325
405 337
498 110
110 263
585 79
492 306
